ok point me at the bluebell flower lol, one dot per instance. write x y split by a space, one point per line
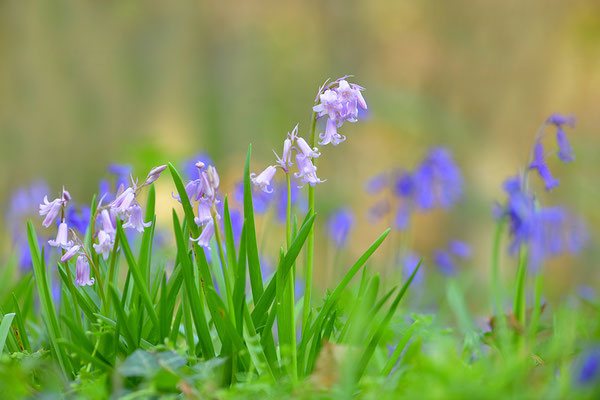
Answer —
590 367
189 169
565 152
377 183
339 226
547 231
539 164
410 262
437 180
445 262
78 218
460 248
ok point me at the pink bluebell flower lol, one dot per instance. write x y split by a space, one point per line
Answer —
62 237
70 253
123 201
136 219
105 244
82 272
263 180
310 152
206 235
307 172
204 213
331 134
52 209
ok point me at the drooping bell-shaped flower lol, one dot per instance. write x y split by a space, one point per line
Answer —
82 272
339 226
263 180
204 214
70 253
50 210
565 152
331 134
539 164
306 149
329 105
105 244
62 237
307 172
123 201
136 219
560 120
207 233
107 223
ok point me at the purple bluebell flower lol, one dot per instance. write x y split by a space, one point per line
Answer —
105 244
437 181
547 231
565 152
404 185
460 249
331 134
445 262
107 222
70 253
377 183
51 209
339 226
263 180
189 169
82 272
123 201
307 151
207 233
560 120
539 164
307 172
136 219
410 262
204 214
402 218
79 219
590 367
62 237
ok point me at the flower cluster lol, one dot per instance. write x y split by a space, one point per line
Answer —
565 152
547 231
203 190
436 182
339 101
124 207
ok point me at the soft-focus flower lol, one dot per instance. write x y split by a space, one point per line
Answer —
107 222
539 164
189 168
263 180
339 226
460 248
70 253
444 261
307 172
105 244
82 271
565 152
78 220
560 120
437 180
207 233
377 183
410 261
260 199
136 219
590 367
62 237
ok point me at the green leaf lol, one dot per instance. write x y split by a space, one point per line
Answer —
256 282
4 329
140 363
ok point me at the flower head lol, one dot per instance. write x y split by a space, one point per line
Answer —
539 164
82 271
52 209
136 219
207 233
154 174
105 244
263 180
339 226
62 237
70 253
307 172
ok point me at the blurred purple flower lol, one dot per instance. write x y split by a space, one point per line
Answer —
78 219
565 152
590 367
539 164
339 226
444 261
410 262
260 199
377 183
460 248
189 169
437 180
560 120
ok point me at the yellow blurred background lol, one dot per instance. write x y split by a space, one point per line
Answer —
87 83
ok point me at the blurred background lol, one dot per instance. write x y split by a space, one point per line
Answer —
89 83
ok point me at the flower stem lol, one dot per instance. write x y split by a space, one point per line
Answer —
496 282
289 293
310 246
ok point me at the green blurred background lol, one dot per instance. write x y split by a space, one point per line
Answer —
87 83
